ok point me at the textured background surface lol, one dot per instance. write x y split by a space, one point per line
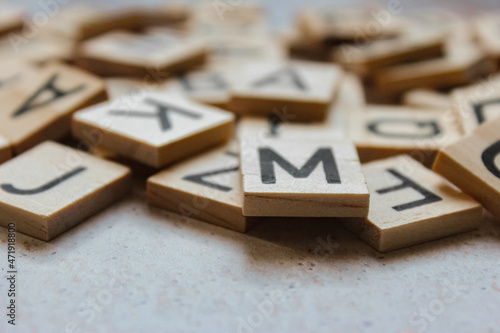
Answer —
133 268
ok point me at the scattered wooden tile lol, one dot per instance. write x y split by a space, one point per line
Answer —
36 50
51 188
385 131
348 25
5 150
478 103
162 52
10 20
206 187
410 204
236 50
303 179
424 98
38 106
153 128
461 65
81 21
305 89
173 15
222 19
472 164
488 34
407 48
209 85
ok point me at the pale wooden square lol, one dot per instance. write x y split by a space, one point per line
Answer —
409 216
51 188
162 51
488 33
305 89
13 70
461 64
206 187
30 114
472 164
477 104
313 196
136 127
10 20
384 53
384 131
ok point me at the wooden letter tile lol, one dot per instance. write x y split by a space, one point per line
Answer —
206 187
38 106
305 89
302 179
384 131
153 128
472 164
120 53
424 98
51 188
477 104
488 34
409 205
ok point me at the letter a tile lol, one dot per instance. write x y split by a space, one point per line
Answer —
153 128
473 165
206 187
304 89
302 179
51 188
38 106
409 205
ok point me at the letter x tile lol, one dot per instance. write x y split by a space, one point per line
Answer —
153 128
51 188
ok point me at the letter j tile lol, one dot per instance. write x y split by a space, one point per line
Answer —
51 188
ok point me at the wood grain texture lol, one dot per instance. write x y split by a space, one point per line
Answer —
51 188
410 204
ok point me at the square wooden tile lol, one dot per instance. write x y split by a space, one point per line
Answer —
303 179
206 187
472 164
395 51
409 205
38 106
153 128
40 50
121 53
305 89
384 131
80 21
333 25
477 104
461 64
51 188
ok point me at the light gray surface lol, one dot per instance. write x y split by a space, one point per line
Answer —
133 268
